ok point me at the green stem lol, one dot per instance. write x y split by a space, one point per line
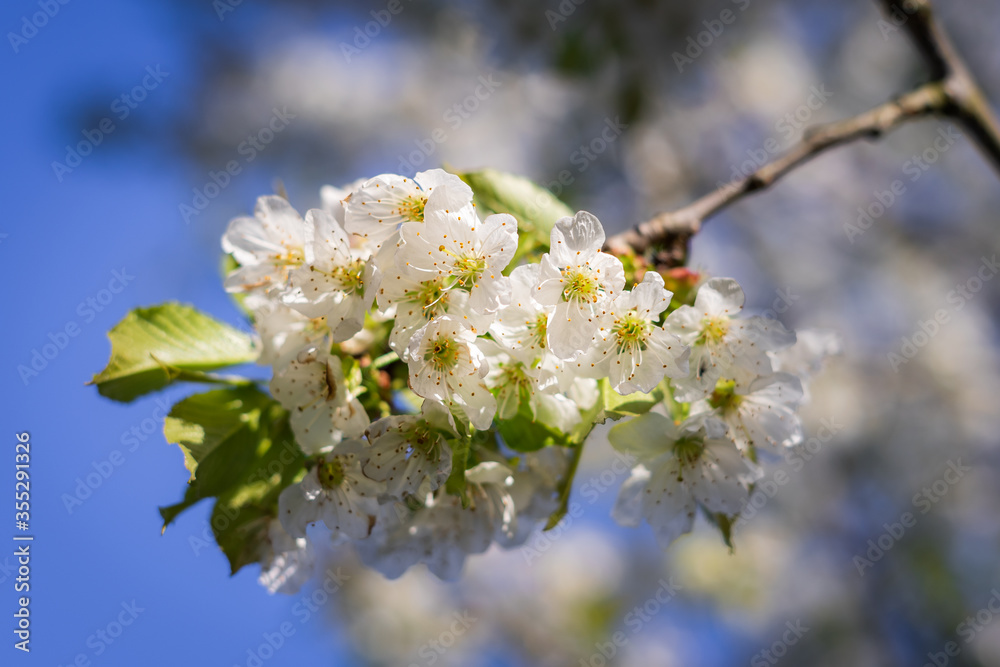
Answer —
208 378
566 488
384 360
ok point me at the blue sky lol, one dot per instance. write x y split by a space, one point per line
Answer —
64 241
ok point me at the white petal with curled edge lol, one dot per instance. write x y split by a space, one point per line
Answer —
647 436
720 296
583 234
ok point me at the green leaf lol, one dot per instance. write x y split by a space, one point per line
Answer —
152 347
617 406
218 445
202 422
241 517
523 433
253 459
241 534
724 523
219 472
535 208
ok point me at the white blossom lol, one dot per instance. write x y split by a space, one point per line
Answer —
763 414
628 346
447 366
515 377
336 281
535 491
408 264
287 562
806 356
578 279
523 324
334 491
723 345
267 246
333 197
377 209
323 411
442 533
282 331
470 253
416 299
680 468
410 452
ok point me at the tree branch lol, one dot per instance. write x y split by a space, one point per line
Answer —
952 93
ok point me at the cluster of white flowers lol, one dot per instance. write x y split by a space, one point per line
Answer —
410 264
745 385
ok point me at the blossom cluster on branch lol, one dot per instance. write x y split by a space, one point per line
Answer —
509 359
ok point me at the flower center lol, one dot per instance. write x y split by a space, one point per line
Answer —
725 397
442 354
468 268
688 449
424 439
331 473
538 330
581 285
432 297
350 277
713 330
291 257
514 377
631 331
412 208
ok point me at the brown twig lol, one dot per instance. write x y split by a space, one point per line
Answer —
952 93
